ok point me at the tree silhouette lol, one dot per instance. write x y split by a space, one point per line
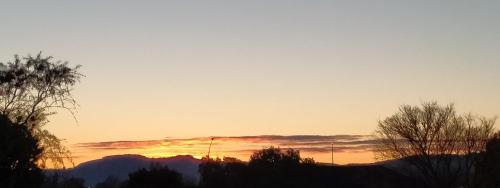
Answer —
31 89
269 167
274 167
275 157
19 151
441 145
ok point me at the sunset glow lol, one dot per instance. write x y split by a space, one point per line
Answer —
346 148
162 78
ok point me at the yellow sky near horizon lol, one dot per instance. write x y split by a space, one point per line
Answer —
347 149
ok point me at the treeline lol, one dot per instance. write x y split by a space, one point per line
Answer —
271 167
274 167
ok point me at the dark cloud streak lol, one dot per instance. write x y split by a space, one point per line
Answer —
305 143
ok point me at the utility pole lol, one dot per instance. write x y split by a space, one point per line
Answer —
209 147
332 154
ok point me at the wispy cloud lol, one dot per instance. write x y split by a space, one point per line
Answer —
346 148
119 144
306 143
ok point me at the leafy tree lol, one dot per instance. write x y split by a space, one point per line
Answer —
269 167
440 145
33 88
155 177
274 167
19 151
275 157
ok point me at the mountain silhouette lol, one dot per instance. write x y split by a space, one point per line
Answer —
119 166
380 174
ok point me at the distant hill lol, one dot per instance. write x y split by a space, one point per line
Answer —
353 175
119 166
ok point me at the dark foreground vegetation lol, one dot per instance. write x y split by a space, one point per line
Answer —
271 167
274 167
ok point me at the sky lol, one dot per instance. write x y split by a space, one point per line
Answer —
159 70
342 149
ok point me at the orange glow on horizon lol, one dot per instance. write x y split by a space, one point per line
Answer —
348 149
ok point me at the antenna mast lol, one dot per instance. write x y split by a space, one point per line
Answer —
209 147
332 154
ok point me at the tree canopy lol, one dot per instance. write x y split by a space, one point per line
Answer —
269 167
33 88
441 145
